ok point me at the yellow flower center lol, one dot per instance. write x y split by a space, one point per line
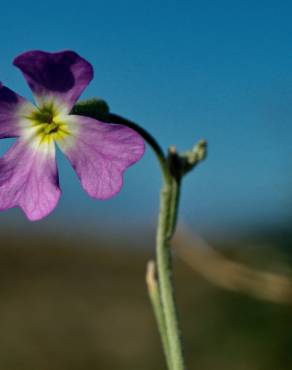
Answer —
49 124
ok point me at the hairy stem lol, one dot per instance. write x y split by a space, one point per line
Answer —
169 198
164 266
175 196
162 294
154 295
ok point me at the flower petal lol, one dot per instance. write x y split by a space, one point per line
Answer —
29 180
63 75
12 107
100 153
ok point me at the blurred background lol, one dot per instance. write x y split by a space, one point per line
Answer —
72 285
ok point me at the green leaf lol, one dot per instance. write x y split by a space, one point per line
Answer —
94 108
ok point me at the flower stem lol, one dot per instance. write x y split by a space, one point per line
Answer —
154 295
167 215
162 295
169 198
175 196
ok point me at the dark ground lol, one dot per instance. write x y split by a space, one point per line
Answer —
69 307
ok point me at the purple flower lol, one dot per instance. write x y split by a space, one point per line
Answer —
99 152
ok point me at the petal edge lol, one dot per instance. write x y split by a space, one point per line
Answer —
11 107
62 75
101 153
29 180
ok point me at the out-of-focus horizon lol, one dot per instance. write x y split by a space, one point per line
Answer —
183 70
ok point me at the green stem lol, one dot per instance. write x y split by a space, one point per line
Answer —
154 295
166 224
166 220
163 299
175 196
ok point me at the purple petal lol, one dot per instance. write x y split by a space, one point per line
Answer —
100 153
29 180
11 105
63 75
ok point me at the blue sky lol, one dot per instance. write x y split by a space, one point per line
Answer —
184 70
